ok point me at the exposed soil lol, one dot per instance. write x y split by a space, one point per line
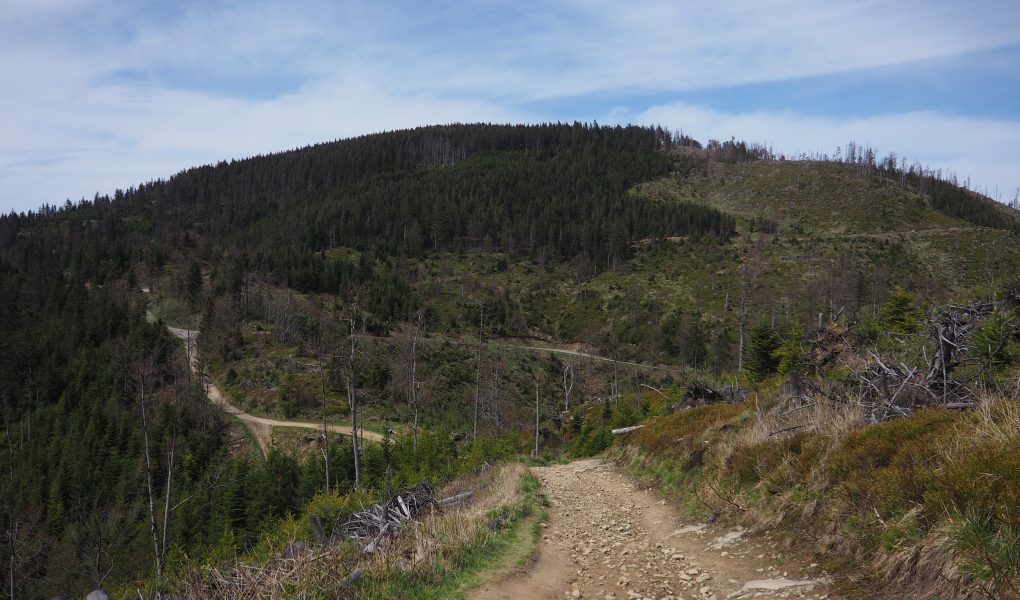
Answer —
609 539
260 427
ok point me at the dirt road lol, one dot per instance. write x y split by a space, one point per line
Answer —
588 356
260 427
608 539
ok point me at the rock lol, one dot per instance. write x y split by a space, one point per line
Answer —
778 584
576 593
97 595
727 540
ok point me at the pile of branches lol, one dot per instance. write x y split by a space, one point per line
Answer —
386 518
891 390
700 393
951 327
831 342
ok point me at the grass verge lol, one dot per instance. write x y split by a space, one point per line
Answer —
928 502
488 554
444 554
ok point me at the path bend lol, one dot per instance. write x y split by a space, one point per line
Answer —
260 427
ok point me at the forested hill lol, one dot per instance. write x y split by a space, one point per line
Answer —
632 242
555 190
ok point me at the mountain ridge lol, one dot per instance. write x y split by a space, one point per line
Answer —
310 272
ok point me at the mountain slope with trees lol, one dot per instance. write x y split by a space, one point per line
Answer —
319 276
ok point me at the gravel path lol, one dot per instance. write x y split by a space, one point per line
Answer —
260 427
608 539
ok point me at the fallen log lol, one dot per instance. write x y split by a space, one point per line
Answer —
960 405
455 499
626 430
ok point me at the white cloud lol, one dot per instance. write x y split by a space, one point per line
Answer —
980 148
135 135
670 45
101 94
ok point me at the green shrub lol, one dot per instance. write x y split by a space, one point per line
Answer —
990 342
889 466
899 313
762 360
683 432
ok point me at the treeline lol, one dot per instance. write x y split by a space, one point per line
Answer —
943 191
72 503
99 413
554 192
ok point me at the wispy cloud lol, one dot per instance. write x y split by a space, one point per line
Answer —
101 94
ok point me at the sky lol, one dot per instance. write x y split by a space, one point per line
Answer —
97 95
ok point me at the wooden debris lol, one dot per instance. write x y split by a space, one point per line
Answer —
889 391
699 393
626 430
455 499
389 516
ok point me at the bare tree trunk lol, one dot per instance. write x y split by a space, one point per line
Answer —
535 452
166 501
352 399
616 384
478 371
414 379
148 479
568 385
325 424
13 527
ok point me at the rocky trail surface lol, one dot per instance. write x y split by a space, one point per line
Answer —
260 427
609 539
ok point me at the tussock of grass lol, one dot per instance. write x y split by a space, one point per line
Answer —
930 500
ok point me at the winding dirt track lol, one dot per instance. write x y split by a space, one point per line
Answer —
609 539
261 427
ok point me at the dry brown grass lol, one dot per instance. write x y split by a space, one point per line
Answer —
431 542
423 548
893 497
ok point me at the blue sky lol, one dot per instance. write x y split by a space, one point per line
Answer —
102 94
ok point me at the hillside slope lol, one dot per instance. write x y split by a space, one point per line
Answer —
408 277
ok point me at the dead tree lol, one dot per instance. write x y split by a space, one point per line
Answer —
568 385
325 409
534 453
171 456
478 370
890 390
147 375
352 398
28 544
951 327
413 398
616 382
145 372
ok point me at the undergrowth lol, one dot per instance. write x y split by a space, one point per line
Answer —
442 555
878 493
